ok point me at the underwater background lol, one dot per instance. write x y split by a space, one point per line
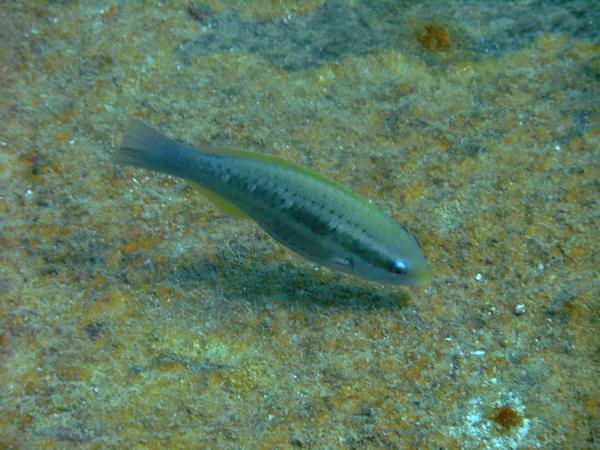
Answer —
133 314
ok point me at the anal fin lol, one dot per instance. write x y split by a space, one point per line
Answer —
225 206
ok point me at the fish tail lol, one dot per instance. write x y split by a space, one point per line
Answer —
147 148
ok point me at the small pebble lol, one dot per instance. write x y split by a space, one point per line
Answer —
520 309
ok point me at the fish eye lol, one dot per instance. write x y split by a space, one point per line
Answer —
399 267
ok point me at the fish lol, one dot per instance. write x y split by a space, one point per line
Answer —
303 210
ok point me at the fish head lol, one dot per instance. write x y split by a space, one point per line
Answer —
395 261
401 270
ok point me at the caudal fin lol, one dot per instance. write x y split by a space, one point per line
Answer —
145 147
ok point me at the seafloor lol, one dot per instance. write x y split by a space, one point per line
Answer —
134 315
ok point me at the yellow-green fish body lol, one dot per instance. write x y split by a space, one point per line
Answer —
313 216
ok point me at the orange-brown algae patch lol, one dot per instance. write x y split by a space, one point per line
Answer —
507 417
4 343
434 37
168 297
109 13
70 114
171 366
71 373
578 251
112 304
26 421
140 240
215 379
62 138
360 364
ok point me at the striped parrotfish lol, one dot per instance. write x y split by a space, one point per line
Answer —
306 212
